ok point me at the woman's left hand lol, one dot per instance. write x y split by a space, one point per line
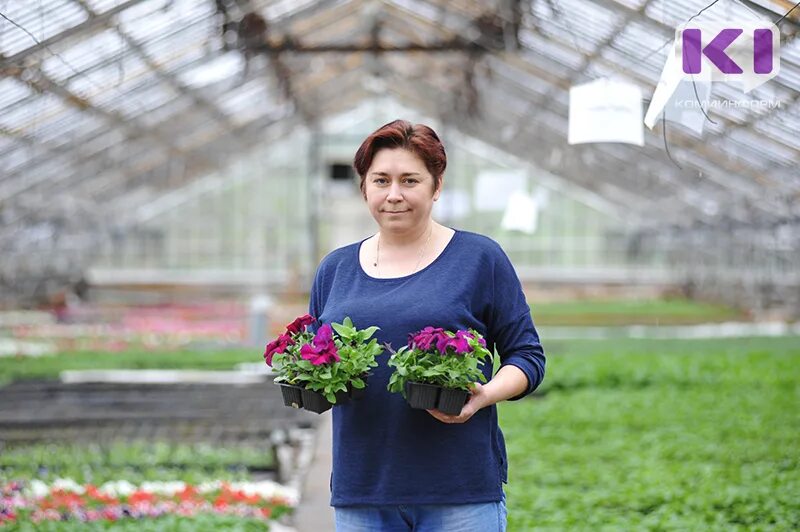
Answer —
476 401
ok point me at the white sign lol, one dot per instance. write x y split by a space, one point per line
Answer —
452 205
605 111
521 214
493 188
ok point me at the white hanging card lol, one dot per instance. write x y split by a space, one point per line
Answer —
521 213
605 111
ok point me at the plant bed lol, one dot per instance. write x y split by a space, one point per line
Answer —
119 504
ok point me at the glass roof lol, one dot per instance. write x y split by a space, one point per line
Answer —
105 95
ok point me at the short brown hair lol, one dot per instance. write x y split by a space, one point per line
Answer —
416 138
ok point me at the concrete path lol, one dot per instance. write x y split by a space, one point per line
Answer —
314 514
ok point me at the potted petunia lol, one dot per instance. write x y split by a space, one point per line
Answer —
358 350
318 370
437 368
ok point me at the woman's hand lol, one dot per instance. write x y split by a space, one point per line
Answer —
508 382
476 401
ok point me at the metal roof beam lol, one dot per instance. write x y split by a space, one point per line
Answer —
163 75
200 146
91 24
40 82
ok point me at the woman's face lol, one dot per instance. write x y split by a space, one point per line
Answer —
399 190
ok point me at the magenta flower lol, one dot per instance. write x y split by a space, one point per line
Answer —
430 337
443 342
461 342
278 345
322 350
299 324
427 337
324 336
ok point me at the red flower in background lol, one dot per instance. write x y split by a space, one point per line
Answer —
300 323
140 496
59 504
93 493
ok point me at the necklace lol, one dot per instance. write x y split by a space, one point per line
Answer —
419 258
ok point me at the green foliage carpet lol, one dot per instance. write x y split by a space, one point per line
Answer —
49 367
608 312
659 435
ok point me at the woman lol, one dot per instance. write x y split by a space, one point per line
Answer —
396 468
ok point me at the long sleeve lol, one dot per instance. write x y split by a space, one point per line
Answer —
314 305
317 296
512 328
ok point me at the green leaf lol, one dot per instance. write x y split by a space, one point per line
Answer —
369 331
340 330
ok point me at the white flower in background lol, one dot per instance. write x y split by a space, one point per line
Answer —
67 484
117 488
38 489
267 489
168 488
207 487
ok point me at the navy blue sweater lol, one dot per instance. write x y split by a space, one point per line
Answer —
385 452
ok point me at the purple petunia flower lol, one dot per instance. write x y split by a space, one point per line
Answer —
461 342
322 350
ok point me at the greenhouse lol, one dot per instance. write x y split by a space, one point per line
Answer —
181 179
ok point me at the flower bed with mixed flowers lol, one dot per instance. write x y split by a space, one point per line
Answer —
317 371
437 368
65 500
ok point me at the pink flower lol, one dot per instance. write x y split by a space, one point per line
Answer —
427 337
299 324
322 350
461 342
278 345
324 336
